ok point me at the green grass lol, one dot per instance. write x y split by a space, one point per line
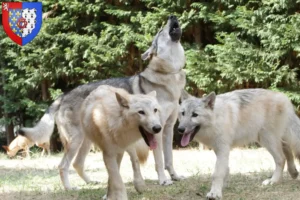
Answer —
38 178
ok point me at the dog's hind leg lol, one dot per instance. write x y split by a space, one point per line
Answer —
71 149
274 146
138 181
290 160
78 163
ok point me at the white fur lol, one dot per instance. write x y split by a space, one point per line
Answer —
239 118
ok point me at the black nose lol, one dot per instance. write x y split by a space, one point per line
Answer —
156 128
181 129
172 17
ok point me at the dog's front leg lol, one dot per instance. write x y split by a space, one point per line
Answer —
138 181
168 147
220 173
116 188
159 163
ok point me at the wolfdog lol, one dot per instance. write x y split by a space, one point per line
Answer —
239 118
21 142
164 75
114 119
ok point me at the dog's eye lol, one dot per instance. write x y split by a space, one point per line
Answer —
182 113
194 115
141 112
155 110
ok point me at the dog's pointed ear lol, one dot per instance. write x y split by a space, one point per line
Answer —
148 53
5 147
123 101
184 95
152 94
209 100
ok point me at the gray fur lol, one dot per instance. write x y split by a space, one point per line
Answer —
164 75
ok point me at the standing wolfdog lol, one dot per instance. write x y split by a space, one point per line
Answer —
113 120
238 118
164 74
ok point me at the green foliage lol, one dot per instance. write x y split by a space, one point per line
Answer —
229 45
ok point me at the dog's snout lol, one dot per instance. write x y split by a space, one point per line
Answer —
172 17
156 128
181 129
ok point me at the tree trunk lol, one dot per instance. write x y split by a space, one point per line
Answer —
45 92
9 129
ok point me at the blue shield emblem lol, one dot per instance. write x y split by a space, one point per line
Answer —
22 21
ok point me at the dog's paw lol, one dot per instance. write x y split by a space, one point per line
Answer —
214 195
175 177
293 172
165 182
140 186
270 181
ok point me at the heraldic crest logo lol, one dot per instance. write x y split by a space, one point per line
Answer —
22 21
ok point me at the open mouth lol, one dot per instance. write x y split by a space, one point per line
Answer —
189 136
149 138
175 30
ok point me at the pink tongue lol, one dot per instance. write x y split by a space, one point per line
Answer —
152 141
185 139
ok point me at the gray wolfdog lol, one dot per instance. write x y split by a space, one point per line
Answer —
114 119
239 118
164 75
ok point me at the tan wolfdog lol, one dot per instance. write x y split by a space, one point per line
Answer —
22 143
113 119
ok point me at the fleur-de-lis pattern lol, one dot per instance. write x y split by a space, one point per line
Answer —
28 14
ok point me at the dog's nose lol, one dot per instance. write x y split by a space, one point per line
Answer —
181 129
156 128
172 17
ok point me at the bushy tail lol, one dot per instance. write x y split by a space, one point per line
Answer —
142 150
43 130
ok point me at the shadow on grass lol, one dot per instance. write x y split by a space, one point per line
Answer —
30 183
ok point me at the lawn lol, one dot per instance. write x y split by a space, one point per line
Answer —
38 178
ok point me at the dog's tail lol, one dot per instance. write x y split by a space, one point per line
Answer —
43 130
142 150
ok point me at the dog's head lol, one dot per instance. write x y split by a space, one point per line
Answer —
8 151
145 110
194 114
166 45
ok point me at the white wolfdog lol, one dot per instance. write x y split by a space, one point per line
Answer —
114 119
164 75
238 118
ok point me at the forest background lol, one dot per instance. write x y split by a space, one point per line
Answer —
229 45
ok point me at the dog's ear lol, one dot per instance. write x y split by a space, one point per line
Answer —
152 94
148 53
209 100
123 101
5 147
184 95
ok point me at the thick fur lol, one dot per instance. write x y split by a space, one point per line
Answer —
164 74
19 143
238 118
113 124
42 131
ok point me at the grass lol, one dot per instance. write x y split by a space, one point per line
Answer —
38 178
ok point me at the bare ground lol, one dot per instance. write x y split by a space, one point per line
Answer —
38 178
